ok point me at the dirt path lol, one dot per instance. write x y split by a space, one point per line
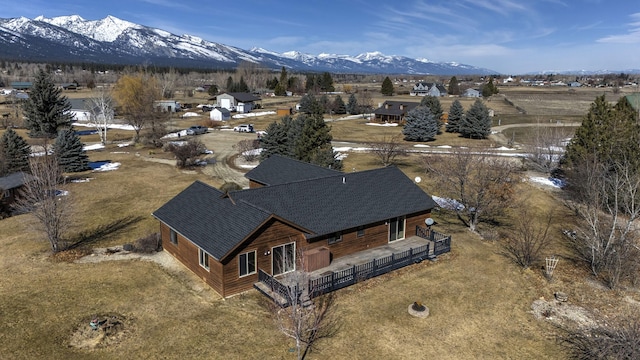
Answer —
222 143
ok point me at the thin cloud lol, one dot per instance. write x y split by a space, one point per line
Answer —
632 37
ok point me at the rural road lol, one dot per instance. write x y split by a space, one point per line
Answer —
222 143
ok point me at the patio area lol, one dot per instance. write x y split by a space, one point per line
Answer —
348 270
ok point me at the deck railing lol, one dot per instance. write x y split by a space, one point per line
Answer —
376 267
335 280
441 242
277 287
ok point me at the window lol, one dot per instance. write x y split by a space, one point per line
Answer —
204 259
7 193
173 237
335 238
360 232
247 263
283 258
396 228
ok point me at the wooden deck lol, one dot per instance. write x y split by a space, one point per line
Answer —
300 287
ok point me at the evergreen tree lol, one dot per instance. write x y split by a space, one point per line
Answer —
46 110
338 106
454 88
242 86
306 138
311 85
456 114
14 153
69 152
433 103
230 85
277 140
476 123
326 83
281 88
271 84
421 125
489 89
609 133
213 90
315 134
387 87
307 104
352 105
324 104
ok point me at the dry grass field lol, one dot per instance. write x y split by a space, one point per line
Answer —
480 302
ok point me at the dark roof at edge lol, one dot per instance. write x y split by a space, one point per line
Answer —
278 169
394 107
14 180
215 223
324 205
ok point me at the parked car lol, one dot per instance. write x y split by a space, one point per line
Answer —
244 128
197 129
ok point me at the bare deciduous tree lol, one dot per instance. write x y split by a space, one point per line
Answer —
101 110
186 153
247 148
547 147
39 197
606 236
482 184
529 237
305 320
621 340
387 149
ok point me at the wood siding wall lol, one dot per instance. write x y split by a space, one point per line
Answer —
272 234
187 253
225 277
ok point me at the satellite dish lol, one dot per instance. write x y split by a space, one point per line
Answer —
417 179
428 221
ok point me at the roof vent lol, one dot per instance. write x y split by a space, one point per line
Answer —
344 180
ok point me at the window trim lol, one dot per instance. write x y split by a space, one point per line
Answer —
203 260
173 237
284 248
255 263
360 232
334 238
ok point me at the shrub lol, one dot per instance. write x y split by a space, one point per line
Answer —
186 153
230 186
148 244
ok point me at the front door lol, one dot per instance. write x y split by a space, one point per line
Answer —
283 258
396 228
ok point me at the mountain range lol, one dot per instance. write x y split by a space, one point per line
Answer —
115 41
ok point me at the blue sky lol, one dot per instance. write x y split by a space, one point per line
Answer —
509 36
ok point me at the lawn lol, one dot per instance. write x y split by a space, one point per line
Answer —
480 302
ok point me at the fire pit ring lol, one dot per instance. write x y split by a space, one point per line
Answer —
417 309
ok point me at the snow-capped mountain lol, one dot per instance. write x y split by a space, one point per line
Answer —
112 40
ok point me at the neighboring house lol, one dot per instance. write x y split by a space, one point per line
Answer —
295 211
393 111
634 100
240 102
575 84
430 89
220 114
167 105
9 189
84 110
21 85
69 86
471 93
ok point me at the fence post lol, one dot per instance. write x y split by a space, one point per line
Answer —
353 273
410 255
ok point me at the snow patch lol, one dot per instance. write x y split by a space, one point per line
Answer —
93 147
382 124
253 114
553 182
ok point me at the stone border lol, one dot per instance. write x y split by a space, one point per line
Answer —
419 314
